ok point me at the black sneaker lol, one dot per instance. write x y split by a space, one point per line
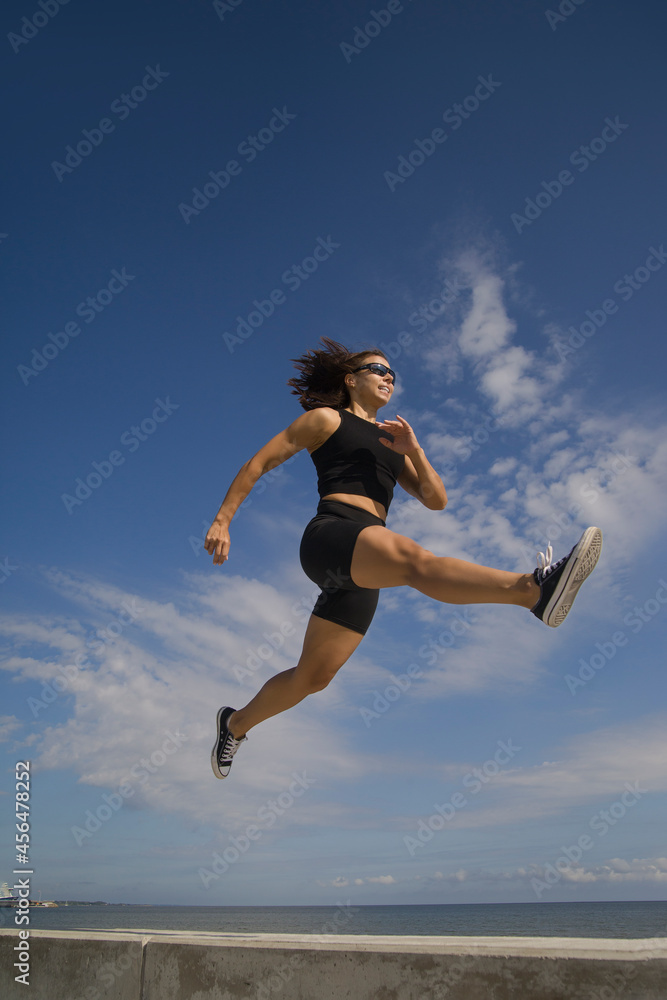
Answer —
225 745
559 583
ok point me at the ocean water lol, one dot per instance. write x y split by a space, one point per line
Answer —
596 920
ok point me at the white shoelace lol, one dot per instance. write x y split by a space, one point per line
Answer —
544 559
231 746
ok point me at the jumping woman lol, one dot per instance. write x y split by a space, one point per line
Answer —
348 551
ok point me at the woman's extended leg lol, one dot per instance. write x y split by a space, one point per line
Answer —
326 647
383 558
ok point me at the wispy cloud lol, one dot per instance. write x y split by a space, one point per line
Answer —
528 462
614 870
8 725
169 674
526 458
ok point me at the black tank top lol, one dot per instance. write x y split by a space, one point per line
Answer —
353 460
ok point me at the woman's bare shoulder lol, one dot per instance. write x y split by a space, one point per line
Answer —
324 416
319 424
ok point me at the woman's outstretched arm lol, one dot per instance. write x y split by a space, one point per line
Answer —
301 433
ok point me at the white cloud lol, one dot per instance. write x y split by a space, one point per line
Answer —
8 725
571 465
503 466
509 376
594 770
167 674
341 881
615 870
606 470
174 662
487 327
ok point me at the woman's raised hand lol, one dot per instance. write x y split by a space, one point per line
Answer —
405 439
217 542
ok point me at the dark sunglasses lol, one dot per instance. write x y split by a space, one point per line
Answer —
379 369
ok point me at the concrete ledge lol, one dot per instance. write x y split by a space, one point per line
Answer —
71 966
171 965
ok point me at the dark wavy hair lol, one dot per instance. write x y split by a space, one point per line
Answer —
323 371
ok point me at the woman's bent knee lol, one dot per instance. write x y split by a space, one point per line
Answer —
313 683
310 678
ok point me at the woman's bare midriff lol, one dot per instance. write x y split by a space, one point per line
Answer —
372 506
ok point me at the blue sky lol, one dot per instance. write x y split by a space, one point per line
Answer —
483 185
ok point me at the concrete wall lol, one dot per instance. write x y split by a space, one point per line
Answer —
71 966
154 965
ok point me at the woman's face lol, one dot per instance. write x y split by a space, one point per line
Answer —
371 387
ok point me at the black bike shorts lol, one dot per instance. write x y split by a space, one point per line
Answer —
326 557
